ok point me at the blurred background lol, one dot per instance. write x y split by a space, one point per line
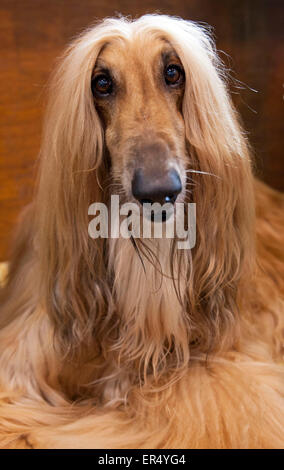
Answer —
34 32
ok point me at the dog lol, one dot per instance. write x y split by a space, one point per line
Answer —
131 342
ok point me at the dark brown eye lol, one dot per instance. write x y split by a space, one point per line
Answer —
174 74
102 85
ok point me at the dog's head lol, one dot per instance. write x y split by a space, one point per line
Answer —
144 103
138 85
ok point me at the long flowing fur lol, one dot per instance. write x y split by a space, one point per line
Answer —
113 343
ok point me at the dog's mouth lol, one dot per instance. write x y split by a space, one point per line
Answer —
157 214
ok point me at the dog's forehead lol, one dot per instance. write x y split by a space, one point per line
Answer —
145 50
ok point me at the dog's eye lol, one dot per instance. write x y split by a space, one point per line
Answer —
102 85
173 74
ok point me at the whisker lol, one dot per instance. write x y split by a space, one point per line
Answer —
203 173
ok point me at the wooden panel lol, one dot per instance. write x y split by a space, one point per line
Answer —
34 32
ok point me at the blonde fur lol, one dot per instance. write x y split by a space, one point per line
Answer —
184 349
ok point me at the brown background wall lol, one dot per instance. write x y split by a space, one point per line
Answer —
34 32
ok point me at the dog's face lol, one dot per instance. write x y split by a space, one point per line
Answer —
138 89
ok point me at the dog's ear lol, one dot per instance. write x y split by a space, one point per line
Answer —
222 191
72 174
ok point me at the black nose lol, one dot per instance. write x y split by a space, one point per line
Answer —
162 187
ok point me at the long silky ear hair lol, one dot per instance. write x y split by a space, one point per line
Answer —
224 256
73 282
221 183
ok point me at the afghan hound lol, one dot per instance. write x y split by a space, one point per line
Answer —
132 342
